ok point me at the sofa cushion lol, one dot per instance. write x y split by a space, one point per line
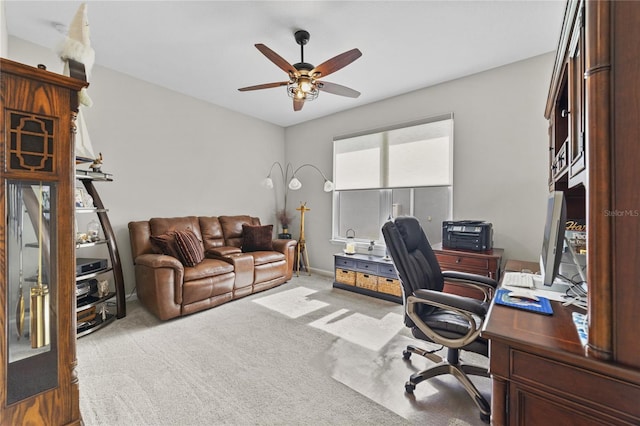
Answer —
266 257
211 231
165 244
257 238
232 228
206 269
161 226
189 247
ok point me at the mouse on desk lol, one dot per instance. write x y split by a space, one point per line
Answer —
525 296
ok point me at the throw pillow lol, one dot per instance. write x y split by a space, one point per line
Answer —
190 248
165 244
257 238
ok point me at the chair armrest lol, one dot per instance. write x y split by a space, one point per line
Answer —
474 278
448 300
479 282
472 310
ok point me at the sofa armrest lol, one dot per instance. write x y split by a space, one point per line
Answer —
288 248
158 261
242 267
159 280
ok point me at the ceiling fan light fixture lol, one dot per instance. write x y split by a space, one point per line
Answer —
303 88
303 84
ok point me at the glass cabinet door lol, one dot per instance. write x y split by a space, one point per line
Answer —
31 288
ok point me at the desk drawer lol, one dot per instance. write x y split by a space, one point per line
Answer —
600 392
345 276
367 281
460 262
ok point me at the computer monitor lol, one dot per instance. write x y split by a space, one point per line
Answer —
553 240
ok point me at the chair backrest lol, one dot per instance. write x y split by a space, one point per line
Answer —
412 255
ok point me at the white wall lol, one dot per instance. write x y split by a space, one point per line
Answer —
4 38
171 155
174 155
500 153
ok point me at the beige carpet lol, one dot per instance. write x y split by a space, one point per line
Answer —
302 353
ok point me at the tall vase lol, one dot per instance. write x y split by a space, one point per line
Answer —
285 235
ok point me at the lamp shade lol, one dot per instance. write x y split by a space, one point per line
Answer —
267 183
295 184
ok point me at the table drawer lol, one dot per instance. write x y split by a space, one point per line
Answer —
367 266
345 276
462 261
367 281
343 262
387 271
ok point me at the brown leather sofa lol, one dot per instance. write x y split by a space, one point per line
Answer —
169 289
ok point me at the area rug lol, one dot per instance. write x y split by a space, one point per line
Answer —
301 353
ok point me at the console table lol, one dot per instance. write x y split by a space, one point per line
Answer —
371 275
541 375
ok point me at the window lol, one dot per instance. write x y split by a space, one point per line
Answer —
402 170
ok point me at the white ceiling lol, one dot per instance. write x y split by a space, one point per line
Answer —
205 49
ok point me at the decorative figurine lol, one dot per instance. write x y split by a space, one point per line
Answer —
96 166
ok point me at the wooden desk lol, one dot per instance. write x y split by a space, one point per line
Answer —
513 265
541 375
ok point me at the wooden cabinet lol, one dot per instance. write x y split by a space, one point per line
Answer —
371 275
487 263
541 373
604 37
567 111
38 382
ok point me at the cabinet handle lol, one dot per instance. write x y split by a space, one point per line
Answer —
458 260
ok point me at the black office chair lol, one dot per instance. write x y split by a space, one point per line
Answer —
446 319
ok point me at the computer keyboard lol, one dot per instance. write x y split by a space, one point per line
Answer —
518 279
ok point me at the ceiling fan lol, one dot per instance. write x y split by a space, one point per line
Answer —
304 84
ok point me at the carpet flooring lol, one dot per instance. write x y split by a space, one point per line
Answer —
303 353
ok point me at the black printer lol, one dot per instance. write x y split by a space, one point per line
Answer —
474 235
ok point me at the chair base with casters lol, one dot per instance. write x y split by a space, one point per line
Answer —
453 366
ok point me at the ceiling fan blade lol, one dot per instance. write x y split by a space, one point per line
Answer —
337 89
298 104
264 86
276 59
336 63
